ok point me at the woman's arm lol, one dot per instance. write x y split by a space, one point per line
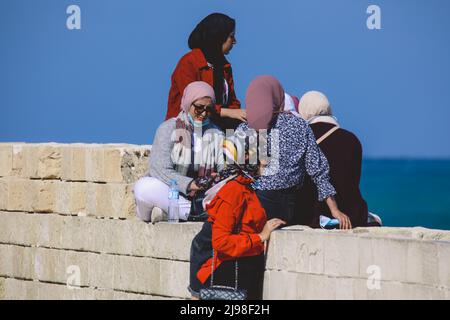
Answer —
317 166
161 165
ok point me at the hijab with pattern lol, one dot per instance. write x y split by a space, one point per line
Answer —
183 135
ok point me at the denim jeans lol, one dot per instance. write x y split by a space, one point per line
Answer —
279 203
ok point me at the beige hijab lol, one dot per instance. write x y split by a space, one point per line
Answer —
313 104
314 107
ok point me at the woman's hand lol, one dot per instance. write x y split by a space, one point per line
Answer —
239 114
270 226
344 220
193 186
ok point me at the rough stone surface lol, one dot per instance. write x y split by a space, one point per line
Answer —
103 271
14 289
66 208
118 163
6 160
282 285
124 237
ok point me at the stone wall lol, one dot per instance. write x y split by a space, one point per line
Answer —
67 220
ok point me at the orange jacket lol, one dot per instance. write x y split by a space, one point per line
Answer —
233 202
194 67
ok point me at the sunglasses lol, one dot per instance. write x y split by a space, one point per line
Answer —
200 109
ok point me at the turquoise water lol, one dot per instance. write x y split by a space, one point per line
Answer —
408 192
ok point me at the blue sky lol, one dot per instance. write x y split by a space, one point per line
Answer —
109 81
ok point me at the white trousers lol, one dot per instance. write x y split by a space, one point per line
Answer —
150 192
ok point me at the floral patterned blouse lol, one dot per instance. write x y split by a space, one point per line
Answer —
293 153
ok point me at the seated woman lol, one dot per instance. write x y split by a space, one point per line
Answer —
210 41
235 231
179 153
293 153
344 154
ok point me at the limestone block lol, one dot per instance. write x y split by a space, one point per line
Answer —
2 289
16 261
118 295
6 159
18 162
20 192
19 290
27 195
113 164
422 263
3 194
136 274
173 241
124 273
76 233
174 278
116 163
392 290
126 237
345 288
443 249
389 255
135 162
282 285
299 251
49 265
114 200
49 230
341 254
64 266
14 289
42 161
43 195
71 198
95 163
100 270
18 228
74 162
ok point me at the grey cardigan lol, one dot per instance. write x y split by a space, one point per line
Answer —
161 165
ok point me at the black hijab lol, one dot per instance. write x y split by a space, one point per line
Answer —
209 36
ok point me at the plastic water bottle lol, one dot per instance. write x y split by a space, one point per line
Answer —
173 214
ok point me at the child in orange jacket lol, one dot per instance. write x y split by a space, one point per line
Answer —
236 230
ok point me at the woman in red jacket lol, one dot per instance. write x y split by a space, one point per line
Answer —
210 41
236 230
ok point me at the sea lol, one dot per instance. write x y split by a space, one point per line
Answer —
408 192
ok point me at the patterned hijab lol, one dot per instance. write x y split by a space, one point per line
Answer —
184 134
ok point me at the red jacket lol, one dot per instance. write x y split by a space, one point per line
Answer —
194 67
233 202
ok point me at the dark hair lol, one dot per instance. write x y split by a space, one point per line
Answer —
209 36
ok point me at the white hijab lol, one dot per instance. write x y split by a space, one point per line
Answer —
289 104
